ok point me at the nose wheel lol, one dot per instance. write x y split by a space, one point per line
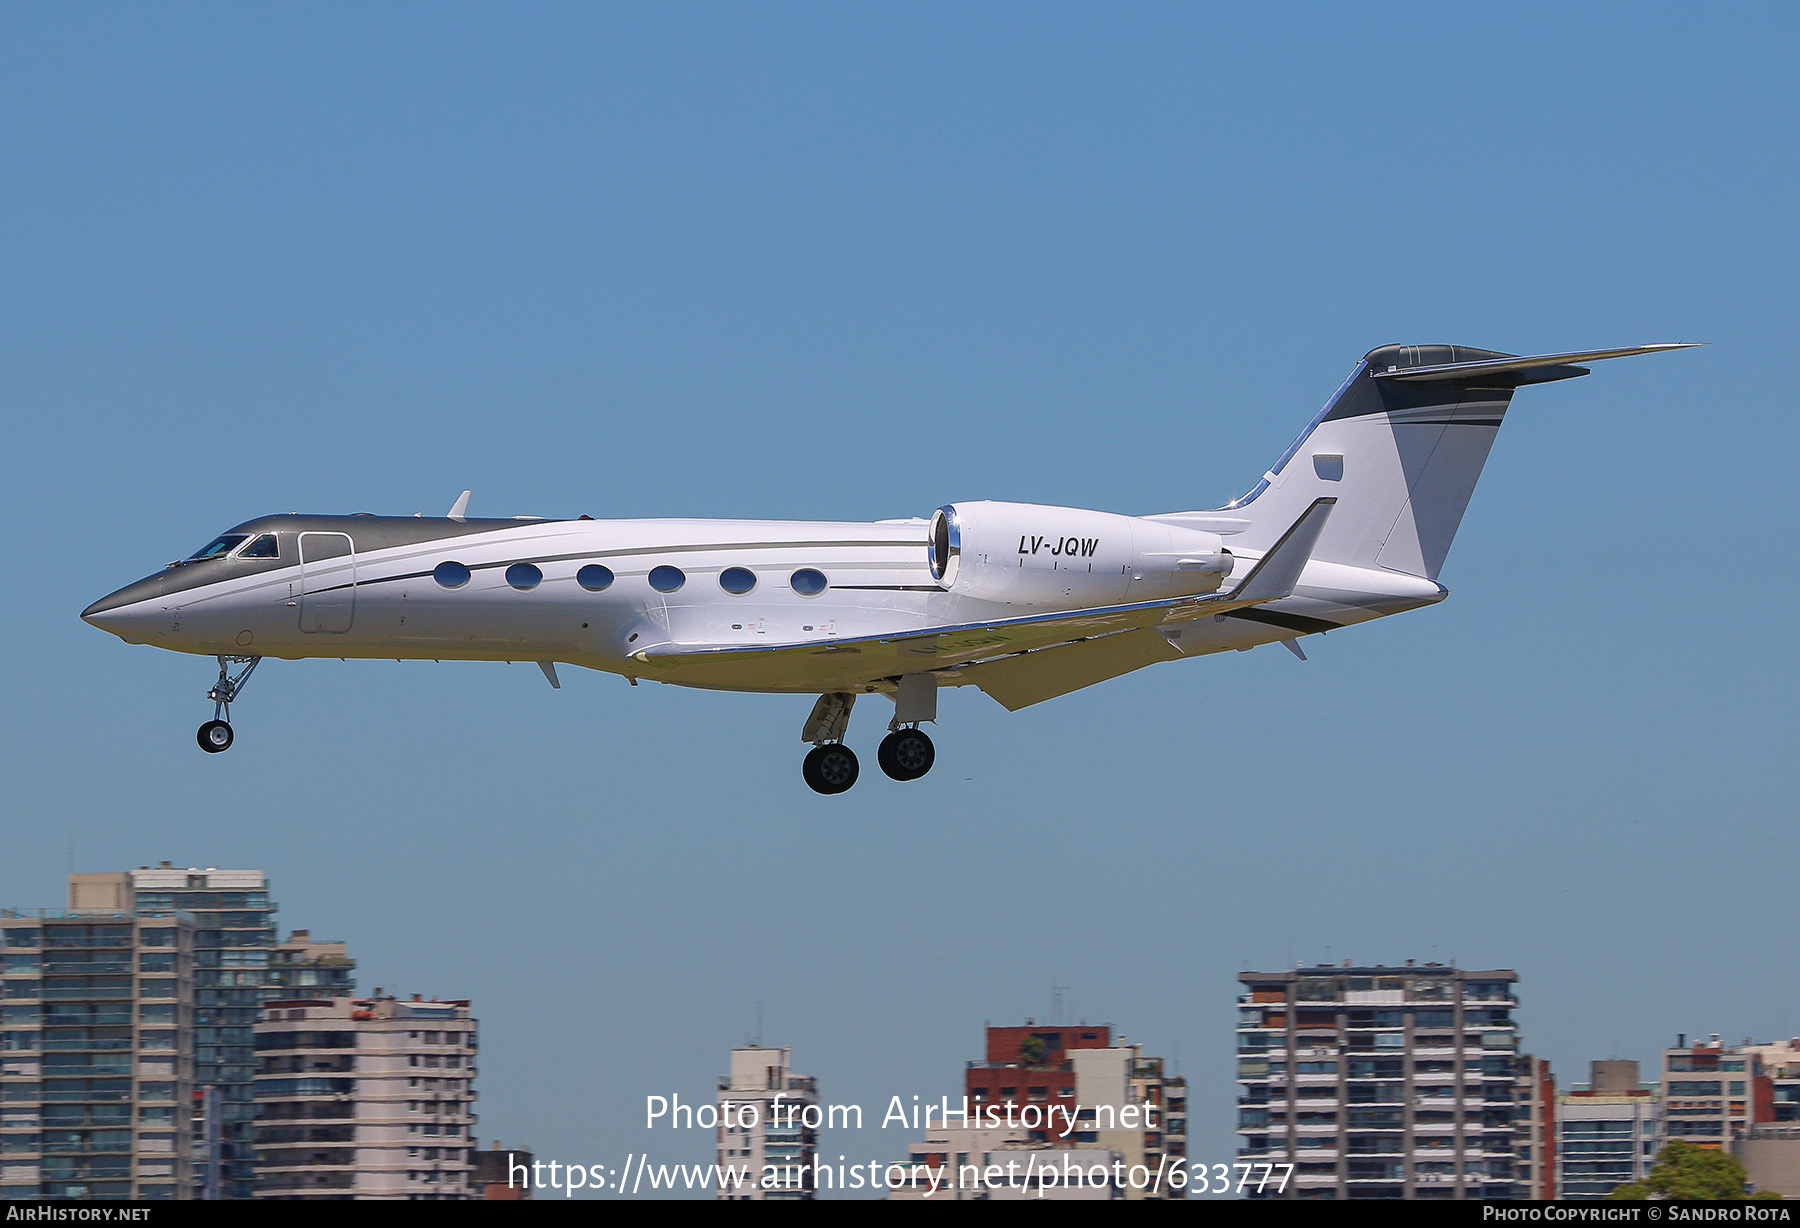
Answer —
215 735
906 754
830 768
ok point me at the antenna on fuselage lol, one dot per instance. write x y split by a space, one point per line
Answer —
459 507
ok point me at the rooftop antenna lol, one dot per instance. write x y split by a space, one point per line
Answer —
1056 1001
759 1030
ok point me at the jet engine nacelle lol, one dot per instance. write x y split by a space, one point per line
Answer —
1069 558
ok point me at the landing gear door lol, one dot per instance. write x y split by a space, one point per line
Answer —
327 583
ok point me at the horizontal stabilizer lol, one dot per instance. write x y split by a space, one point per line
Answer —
1503 366
1278 571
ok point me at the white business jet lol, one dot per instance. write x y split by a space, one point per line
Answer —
1026 602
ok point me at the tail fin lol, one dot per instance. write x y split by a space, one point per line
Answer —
1400 447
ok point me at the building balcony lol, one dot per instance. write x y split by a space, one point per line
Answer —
120 1069
110 967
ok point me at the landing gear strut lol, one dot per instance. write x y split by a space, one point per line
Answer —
215 735
906 753
830 766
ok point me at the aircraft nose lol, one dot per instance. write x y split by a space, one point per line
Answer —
130 613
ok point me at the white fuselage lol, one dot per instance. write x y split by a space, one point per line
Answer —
342 587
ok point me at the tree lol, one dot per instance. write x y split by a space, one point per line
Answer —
1686 1171
1032 1050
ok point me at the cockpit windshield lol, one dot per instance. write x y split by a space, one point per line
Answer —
217 546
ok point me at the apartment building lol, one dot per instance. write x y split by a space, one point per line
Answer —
96 1053
769 1119
1607 1131
234 936
367 1098
1066 1098
1382 1082
1711 1092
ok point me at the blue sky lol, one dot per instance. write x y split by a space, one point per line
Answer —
857 262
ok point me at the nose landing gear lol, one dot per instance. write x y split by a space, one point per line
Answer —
215 735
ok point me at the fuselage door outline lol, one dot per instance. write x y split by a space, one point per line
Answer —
327 587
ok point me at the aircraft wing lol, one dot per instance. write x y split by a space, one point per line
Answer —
814 663
1019 660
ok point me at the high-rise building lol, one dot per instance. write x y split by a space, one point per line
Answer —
1606 1131
96 1052
778 1138
1534 1128
238 965
1710 1092
234 937
1379 1082
1071 1095
1781 1062
302 968
369 1098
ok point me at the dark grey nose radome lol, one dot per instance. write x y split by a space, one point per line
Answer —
129 620
135 611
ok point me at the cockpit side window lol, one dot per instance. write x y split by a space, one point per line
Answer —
263 547
219 545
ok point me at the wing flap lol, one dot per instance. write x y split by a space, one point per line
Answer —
1024 679
879 656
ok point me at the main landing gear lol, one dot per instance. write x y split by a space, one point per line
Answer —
905 754
215 735
830 768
